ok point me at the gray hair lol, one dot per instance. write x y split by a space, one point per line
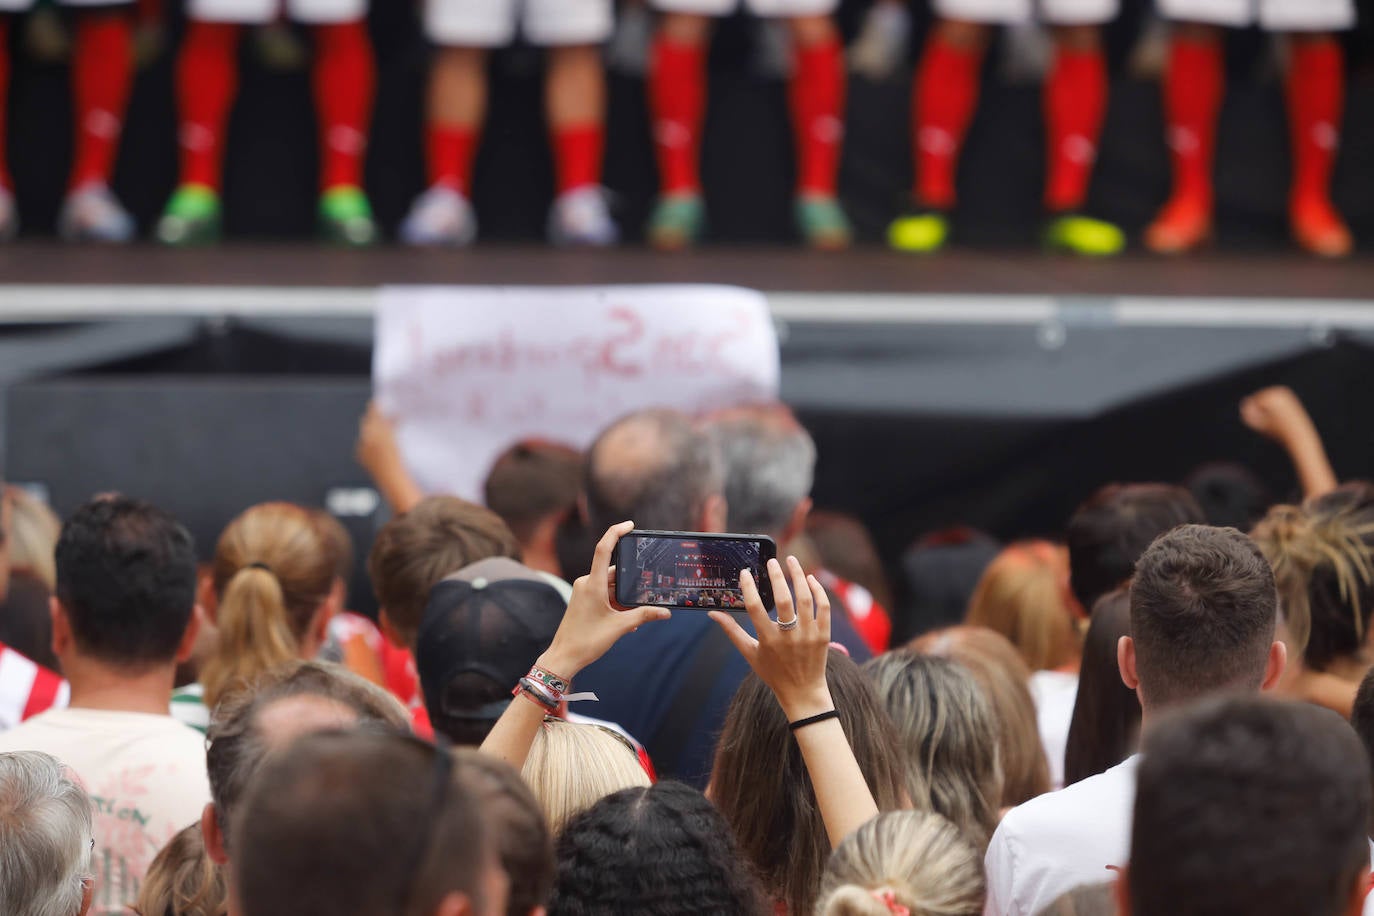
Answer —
657 467
45 837
770 465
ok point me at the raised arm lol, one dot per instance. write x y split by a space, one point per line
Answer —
589 628
380 456
792 663
1278 414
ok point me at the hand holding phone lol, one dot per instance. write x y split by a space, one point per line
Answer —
690 570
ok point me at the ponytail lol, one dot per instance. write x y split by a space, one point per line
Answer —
254 632
852 900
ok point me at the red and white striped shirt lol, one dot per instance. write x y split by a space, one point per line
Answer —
26 688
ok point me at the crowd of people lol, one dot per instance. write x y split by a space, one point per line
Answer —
1159 714
676 43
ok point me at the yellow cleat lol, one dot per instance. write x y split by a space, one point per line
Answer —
919 233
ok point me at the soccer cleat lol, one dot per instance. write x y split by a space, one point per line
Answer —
1082 235
192 217
9 216
581 218
1184 225
919 232
677 221
92 214
440 216
1319 229
346 216
822 222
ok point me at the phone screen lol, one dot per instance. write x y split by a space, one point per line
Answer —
682 570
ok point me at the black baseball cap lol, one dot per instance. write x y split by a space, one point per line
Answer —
493 619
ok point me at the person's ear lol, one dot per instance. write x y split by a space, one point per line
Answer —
454 904
62 638
1274 667
87 896
187 646
715 515
1122 887
797 523
1125 661
213 835
205 593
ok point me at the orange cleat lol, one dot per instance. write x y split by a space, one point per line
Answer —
1184 225
1319 229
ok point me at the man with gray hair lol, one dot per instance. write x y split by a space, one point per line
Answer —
45 838
670 685
770 466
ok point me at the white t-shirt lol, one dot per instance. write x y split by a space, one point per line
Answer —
146 778
1054 693
1052 844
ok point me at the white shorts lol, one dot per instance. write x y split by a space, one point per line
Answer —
1051 12
1273 15
493 23
20 6
769 8
257 12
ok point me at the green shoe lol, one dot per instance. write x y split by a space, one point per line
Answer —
822 222
1083 235
919 232
346 216
677 221
192 217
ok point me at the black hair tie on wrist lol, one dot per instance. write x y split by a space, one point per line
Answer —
812 720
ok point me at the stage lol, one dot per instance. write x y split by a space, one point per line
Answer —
982 387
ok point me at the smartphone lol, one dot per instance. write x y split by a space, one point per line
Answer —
690 570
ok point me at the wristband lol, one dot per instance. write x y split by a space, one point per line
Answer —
559 685
536 695
812 720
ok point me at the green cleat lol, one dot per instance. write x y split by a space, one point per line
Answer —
919 232
677 221
346 216
1083 235
822 222
192 217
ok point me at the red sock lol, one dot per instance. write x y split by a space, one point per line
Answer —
817 95
5 180
577 156
945 98
450 156
1316 99
677 99
1193 86
345 79
102 73
207 81
1075 104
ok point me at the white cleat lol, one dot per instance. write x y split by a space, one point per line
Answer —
440 216
9 216
581 218
92 214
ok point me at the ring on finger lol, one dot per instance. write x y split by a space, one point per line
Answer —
792 624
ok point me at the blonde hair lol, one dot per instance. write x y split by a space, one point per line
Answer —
1024 595
1004 678
572 766
274 567
182 880
948 734
914 859
34 530
1323 558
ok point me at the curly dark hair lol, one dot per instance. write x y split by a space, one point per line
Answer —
657 851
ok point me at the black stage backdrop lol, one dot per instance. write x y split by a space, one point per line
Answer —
271 170
210 417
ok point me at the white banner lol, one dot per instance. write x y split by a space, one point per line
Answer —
467 371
